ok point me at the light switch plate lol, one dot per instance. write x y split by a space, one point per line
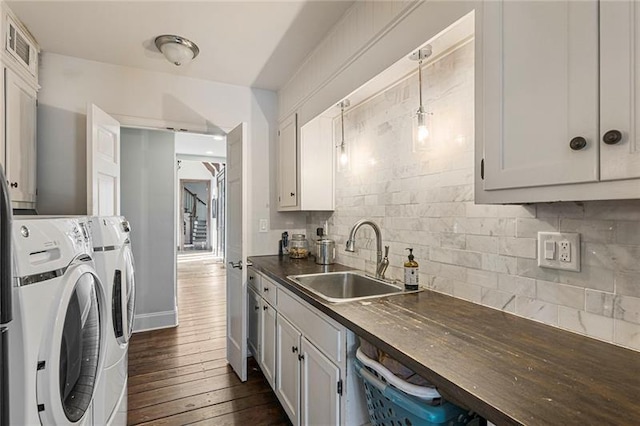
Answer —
559 250
264 225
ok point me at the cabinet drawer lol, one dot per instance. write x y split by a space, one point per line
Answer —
269 291
327 337
254 279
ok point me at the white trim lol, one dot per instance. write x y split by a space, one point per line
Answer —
168 125
206 158
155 320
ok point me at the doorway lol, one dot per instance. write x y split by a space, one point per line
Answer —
152 164
196 207
200 193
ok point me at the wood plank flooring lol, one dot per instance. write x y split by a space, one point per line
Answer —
180 376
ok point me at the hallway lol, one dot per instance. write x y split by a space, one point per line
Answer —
180 376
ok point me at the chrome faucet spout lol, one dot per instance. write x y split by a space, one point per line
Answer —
351 244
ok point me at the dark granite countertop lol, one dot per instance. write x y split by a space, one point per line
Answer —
509 369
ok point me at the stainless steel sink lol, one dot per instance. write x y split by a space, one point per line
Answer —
345 286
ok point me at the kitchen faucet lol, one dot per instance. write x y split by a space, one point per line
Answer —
381 263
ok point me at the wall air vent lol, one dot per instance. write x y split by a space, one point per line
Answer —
19 46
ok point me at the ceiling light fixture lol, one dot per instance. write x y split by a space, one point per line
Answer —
344 156
422 118
178 50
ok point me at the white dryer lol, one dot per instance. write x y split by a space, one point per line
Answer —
57 349
114 263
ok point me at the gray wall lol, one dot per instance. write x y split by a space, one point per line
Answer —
148 176
62 161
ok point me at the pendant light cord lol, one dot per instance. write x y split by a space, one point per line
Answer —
342 122
420 80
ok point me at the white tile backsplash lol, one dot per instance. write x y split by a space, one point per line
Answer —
485 254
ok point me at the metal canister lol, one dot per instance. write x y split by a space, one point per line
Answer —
325 252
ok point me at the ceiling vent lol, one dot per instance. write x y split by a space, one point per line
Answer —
19 46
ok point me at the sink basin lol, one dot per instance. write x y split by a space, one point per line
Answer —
345 286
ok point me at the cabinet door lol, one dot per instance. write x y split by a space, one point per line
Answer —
254 324
288 163
538 85
268 342
20 144
321 388
288 369
620 89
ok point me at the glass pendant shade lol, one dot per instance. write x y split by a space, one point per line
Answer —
421 119
344 156
421 129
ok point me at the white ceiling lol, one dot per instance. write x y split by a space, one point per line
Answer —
258 44
201 145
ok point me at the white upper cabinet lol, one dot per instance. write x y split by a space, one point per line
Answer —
288 163
556 92
305 165
541 92
19 74
20 143
620 86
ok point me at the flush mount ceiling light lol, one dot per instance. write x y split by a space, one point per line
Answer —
421 120
178 50
344 157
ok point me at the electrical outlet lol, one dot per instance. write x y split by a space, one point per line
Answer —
559 250
565 251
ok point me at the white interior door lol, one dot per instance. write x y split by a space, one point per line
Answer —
103 163
236 251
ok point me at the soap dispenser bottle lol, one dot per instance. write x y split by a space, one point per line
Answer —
411 272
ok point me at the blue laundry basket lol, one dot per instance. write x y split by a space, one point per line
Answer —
390 406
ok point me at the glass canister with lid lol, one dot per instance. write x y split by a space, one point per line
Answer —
298 247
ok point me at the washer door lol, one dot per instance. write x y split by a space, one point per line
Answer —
123 297
71 356
130 290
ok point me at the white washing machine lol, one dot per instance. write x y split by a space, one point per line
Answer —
57 341
114 263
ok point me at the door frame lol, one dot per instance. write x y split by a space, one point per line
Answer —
181 196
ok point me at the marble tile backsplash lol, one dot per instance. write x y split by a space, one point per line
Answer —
484 254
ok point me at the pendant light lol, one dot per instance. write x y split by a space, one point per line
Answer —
422 118
178 50
343 155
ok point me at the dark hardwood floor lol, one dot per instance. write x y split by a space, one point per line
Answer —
180 376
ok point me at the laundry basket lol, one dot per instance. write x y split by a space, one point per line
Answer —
391 401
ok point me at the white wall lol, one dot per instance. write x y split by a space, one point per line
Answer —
68 84
368 39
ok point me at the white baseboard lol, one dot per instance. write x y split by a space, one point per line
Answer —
155 320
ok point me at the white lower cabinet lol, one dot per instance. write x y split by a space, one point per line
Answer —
321 387
254 323
304 356
288 368
308 384
268 341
